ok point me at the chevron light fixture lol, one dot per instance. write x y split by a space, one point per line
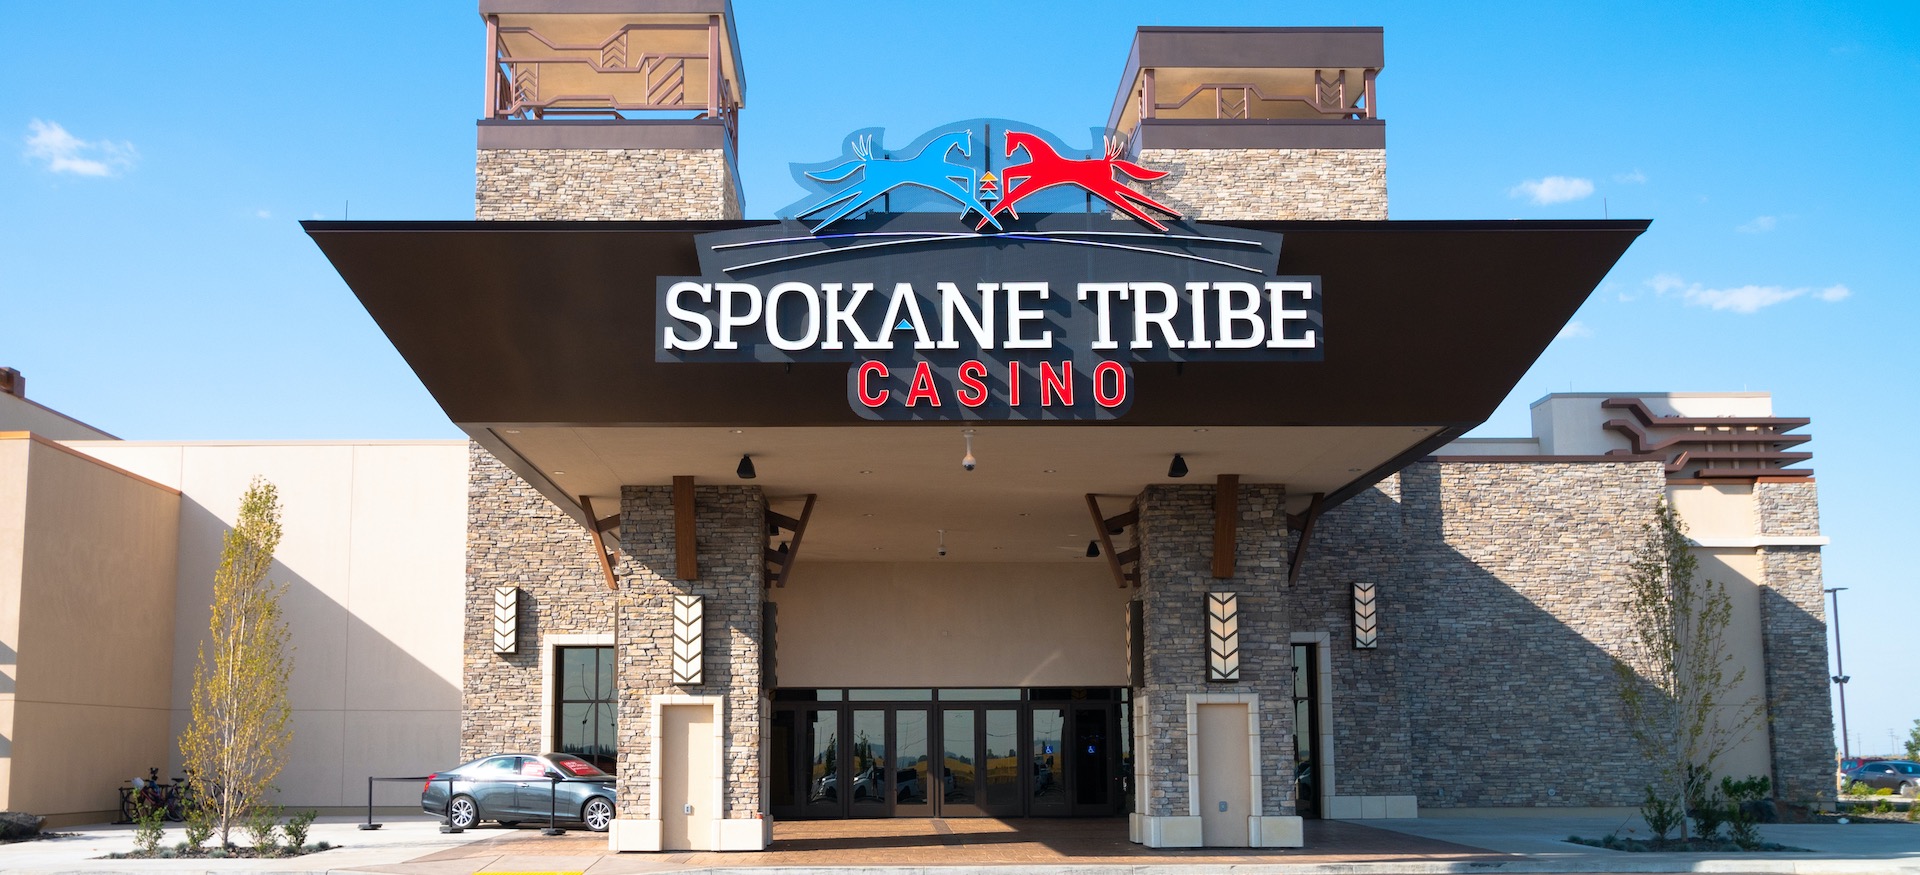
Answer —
1366 622
506 619
689 639
1223 637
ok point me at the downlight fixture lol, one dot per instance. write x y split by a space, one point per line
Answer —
1179 467
745 470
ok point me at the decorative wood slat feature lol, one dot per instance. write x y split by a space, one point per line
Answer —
1128 557
780 565
1306 534
1119 523
600 543
1100 529
1721 447
1226 520
686 560
1223 637
605 525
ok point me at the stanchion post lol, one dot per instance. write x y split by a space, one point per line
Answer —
553 806
446 811
369 824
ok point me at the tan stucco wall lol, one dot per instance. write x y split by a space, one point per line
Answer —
922 624
87 622
374 558
19 414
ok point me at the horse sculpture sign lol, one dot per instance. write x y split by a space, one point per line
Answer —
1035 317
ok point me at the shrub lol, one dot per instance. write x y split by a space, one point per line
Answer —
1661 815
297 827
150 829
199 827
1743 799
263 826
1705 803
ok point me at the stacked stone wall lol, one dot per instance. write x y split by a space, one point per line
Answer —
730 526
1793 631
1176 572
604 184
1359 542
516 537
1208 184
1516 603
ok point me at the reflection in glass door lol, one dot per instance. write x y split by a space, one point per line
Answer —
1047 764
1001 757
912 768
868 764
957 740
1092 761
822 749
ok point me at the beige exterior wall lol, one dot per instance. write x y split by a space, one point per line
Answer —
19 414
920 624
87 556
374 561
604 184
1572 423
1271 183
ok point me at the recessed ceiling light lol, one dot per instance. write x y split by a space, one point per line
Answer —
1049 470
866 514
1353 470
558 473
734 431
513 431
1023 513
878 548
866 470
1201 430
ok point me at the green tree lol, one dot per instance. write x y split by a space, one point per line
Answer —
1913 742
1673 676
238 734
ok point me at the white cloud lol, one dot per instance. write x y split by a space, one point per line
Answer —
1634 177
1576 328
263 214
1741 299
1553 189
61 152
1759 225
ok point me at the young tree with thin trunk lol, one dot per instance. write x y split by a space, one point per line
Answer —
1674 677
237 739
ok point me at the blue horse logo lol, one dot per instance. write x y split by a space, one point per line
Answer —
864 179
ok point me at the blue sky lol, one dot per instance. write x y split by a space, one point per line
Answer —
158 155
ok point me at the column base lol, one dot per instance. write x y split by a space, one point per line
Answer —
1276 831
1372 807
645 836
1164 832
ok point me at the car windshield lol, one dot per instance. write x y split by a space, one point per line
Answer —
576 766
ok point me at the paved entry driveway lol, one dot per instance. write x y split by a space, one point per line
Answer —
941 842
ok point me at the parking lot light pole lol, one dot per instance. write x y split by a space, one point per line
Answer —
1840 676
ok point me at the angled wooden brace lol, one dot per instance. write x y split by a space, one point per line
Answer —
1103 528
598 532
782 563
1302 523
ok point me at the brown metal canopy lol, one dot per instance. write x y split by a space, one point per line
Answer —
537 339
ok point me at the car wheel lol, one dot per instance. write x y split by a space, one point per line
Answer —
462 813
597 814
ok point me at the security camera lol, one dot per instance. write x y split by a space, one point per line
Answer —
943 551
969 462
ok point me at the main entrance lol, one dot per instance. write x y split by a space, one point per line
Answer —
1009 752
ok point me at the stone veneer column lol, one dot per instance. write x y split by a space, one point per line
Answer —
1176 573
1793 632
730 530
516 537
605 184
1271 183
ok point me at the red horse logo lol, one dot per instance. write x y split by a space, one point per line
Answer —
1045 169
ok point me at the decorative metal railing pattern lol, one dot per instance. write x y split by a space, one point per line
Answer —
519 90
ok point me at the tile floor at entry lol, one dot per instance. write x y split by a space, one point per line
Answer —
956 842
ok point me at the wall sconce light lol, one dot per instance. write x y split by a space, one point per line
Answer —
1093 549
1179 467
745 470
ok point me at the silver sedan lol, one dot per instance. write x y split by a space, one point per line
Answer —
516 788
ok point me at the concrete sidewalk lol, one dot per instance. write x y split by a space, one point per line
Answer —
414 846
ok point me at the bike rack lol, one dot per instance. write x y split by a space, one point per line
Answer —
370 779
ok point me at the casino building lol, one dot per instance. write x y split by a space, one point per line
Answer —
1146 498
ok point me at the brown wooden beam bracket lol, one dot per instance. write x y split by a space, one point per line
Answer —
595 531
1305 528
686 562
1104 528
1226 521
780 565
605 525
